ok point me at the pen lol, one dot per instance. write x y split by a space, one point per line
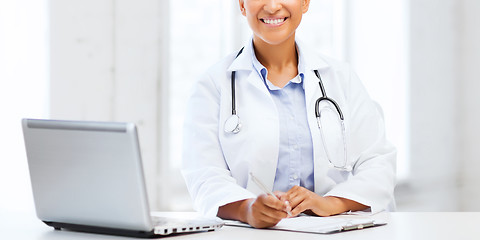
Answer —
266 190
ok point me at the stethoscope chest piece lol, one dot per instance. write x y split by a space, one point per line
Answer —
233 124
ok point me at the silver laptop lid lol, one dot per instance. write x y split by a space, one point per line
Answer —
87 173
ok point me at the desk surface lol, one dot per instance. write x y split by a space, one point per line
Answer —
401 225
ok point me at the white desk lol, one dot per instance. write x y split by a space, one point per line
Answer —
401 225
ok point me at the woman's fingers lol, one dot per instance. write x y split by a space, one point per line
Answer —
295 196
283 198
266 211
271 201
302 199
273 206
300 208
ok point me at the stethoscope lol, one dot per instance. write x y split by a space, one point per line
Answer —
234 125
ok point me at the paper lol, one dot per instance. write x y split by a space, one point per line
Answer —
315 224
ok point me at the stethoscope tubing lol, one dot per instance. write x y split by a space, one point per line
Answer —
324 97
233 123
234 107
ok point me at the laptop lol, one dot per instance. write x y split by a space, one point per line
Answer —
88 176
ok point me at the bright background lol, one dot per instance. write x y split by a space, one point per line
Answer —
127 60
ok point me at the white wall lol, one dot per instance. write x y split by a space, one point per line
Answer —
468 80
444 106
105 67
433 101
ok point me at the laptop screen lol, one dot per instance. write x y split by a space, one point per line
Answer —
87 173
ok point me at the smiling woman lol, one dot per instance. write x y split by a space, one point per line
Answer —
280 84
222 30
328 26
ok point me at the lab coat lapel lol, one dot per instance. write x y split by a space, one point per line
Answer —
265 167
244 63
255 80
312 91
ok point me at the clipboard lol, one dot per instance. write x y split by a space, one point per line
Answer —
320 225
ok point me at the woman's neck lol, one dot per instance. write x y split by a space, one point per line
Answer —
281 60
276 56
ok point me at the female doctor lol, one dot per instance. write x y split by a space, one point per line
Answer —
302 124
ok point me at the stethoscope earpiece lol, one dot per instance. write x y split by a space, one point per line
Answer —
233 124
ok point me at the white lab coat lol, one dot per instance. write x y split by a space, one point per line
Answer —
216 164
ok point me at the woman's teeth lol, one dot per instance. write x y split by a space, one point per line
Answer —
274 21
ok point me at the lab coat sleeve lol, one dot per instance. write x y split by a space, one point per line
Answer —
372 180
205 171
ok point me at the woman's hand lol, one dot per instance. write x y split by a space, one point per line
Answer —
304 200
266 211
261 212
